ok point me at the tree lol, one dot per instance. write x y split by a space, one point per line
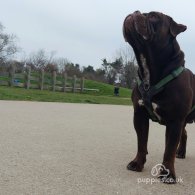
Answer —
128 74
100 75
112 69
40 59
88 69
7 45
62 62
89 73
73 69
50 67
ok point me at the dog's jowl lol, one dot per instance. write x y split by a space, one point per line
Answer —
165 90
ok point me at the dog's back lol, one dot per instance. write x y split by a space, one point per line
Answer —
190 83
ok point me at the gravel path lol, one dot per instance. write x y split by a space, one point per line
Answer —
59 149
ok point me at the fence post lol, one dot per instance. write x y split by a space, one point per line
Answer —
64 81
74 84
54 81
11 75
82 84
28 71
41 79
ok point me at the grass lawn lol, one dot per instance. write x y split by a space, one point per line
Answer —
104 96
106 89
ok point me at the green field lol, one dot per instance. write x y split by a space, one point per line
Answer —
104 96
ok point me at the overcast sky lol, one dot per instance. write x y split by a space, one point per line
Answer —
86 31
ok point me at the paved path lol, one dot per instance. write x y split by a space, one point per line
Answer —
59 149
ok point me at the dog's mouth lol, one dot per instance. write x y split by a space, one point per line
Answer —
141 25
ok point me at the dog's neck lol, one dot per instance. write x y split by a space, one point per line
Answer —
155 64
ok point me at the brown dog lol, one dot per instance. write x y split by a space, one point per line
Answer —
165 92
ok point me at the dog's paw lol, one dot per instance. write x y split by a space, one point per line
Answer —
167 178
134 166
181 154
170 179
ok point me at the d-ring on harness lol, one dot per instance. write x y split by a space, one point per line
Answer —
147 94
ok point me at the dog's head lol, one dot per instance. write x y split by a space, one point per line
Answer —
153 39
149 28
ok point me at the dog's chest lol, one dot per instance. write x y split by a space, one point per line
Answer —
146 72
146 100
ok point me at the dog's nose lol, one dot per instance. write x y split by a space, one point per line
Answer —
137 12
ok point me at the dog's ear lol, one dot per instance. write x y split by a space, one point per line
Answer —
175 28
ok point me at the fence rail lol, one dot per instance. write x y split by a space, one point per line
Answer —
43 81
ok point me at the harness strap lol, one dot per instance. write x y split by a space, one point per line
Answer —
192 109
169 78
153 90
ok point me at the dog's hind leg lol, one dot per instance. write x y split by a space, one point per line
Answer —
141 124
181 150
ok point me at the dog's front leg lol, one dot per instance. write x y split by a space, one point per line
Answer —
173 134
181 150
141 124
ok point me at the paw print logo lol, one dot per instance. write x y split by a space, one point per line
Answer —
160 170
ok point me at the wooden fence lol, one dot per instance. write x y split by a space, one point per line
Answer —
43 81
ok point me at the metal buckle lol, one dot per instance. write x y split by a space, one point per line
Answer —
146 86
